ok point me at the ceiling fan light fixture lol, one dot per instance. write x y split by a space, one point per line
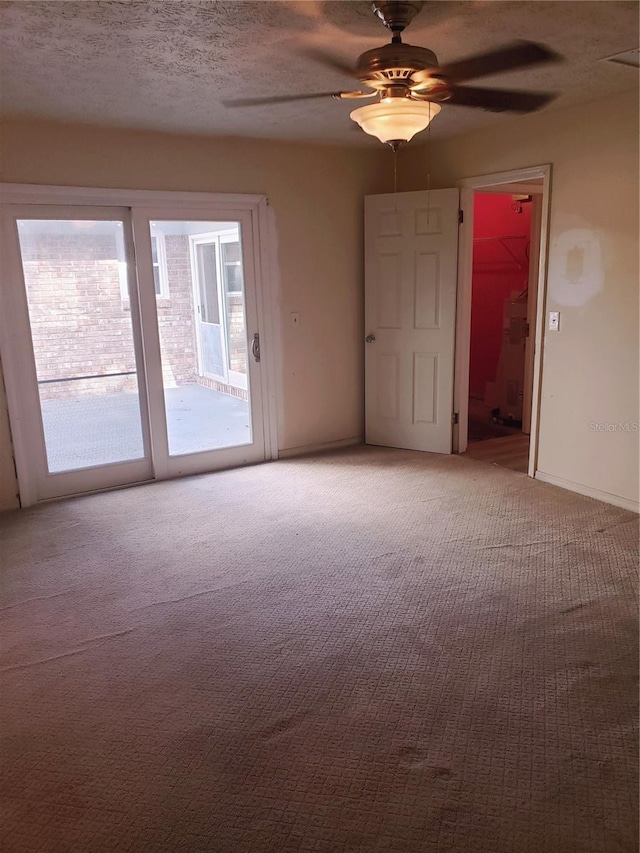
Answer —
395 120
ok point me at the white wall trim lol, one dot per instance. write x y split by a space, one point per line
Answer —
17 362
514 189
323 447
468 186
514 176
587 491
40 194
463 322
250 208
268 302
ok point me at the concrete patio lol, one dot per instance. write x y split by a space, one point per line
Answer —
85 431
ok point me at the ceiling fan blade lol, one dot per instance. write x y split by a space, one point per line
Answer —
520 54
329 60
278 99
499 100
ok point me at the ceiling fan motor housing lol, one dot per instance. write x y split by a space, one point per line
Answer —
395 64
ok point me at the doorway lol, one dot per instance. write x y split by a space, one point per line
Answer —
499 318
498 427
107 367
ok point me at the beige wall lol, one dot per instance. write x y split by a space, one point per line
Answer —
590 368
590 371
316 193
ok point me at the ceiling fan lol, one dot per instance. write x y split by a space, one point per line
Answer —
409 84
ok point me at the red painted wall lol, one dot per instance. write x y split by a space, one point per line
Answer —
496 275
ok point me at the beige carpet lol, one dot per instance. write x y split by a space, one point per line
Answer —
368 651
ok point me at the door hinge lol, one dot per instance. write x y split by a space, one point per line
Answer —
455 418
460 217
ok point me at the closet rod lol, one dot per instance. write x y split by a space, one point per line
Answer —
506 237
504 245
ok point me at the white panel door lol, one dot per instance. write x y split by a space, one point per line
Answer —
411 252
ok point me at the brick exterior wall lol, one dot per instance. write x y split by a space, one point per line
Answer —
81 322
176 323
79 325
216 385
237 340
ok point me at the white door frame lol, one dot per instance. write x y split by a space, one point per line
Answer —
468 186
234 378
262 254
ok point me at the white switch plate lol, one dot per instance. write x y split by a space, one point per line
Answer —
554 321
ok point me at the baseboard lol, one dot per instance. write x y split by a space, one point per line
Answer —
605 497
319 448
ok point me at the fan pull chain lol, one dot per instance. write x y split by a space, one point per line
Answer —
395 179
428 174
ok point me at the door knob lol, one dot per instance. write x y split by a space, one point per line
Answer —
370 339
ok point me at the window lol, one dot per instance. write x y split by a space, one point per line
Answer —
206 254
159 260
232 266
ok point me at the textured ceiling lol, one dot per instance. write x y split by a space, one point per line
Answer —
168 65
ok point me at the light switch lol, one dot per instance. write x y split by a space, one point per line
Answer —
554 321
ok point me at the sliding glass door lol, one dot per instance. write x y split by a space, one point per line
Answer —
132 350
80 359
204 378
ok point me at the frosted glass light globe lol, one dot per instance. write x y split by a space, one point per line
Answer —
395 119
